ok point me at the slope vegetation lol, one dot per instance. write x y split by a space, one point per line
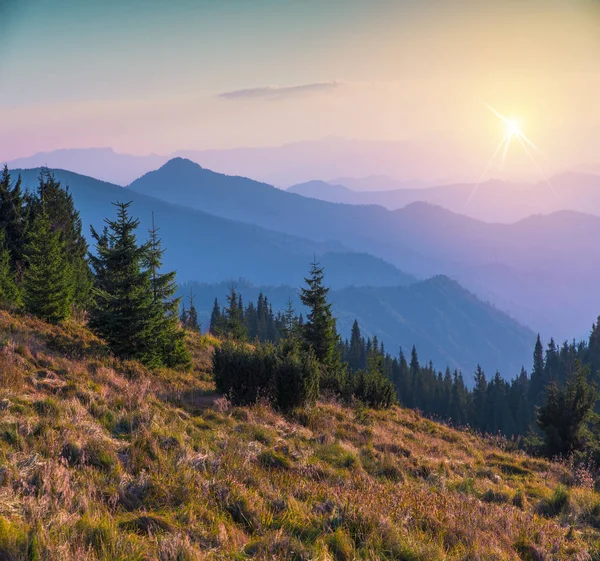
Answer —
101 459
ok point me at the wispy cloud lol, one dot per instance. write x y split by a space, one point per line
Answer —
279 92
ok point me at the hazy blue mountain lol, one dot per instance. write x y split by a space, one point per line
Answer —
541 269
448 324
378 183
102 163
283 165
323 191
209 248
492 201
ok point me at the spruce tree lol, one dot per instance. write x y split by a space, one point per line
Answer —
57 203
123 312
169 338
216 320
191 320
320 327
234 316
47 283
565 413
13 221
9 293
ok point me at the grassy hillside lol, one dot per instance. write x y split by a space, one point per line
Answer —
101 459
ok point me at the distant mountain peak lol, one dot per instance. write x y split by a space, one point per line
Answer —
180 163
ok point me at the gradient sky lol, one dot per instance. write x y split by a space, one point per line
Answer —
148 76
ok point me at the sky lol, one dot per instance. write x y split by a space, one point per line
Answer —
150 76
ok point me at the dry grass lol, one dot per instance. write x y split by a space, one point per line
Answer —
105 460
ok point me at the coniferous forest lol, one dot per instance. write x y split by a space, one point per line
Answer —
287 357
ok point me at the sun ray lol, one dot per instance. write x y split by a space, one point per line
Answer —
506 147
538 167
506 139
512 131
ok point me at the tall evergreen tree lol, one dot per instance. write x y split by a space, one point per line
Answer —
320 327
123 312
566 411
234 316
9 293
57 203
48 286
169 338
13 223
216 327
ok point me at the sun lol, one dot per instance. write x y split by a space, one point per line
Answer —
513 128
513 132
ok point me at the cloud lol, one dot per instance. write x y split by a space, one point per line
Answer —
278 92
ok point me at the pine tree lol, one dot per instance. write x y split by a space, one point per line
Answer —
57 203
9 293
234 316
565 413
123 312
48 287
216 320
480 405
13 221
169 338
355 352
192 322
320 327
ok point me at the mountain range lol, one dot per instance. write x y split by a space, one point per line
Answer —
492 201
282 166
543 269
208 248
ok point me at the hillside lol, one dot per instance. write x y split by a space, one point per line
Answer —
448 325
106 460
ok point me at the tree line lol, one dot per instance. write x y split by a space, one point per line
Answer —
120 288
292 360
525 408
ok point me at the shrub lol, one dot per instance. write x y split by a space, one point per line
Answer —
373 388
243 373
297 380
289 377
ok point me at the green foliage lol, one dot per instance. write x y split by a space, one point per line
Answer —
296 378
243 373
564 415
9 292
123 310
48 282
319 330
168 337
57 203
373 387
287 376
134 309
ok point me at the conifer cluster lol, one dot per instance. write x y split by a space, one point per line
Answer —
45 270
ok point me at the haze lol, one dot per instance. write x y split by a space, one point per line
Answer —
156 77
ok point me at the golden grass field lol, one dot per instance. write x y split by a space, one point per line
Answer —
101 459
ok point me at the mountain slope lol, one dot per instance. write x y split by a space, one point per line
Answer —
107 460
205 247
491 201
448 325
541 269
